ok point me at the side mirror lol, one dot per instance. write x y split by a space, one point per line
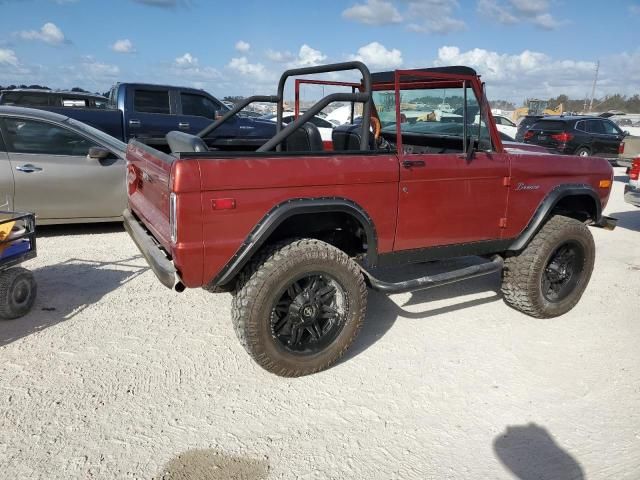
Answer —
98 153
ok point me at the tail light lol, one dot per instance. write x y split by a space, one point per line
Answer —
621 148
563 137
634 172
173 224
528 135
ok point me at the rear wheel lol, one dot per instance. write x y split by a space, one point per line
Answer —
550 275
17 292
582 152
299 307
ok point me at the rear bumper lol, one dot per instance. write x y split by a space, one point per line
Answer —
156 258
632 195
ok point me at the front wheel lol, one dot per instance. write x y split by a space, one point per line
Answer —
549 276
299 306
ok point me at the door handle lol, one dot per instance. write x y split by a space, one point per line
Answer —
183 125
134 123
413 163
28 168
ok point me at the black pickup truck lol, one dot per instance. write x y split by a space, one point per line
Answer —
147 112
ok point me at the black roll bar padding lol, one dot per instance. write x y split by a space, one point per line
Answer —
235 110
293 126
350 97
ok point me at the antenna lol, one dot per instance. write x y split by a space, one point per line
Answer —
593 90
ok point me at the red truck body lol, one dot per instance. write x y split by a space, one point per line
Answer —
433 185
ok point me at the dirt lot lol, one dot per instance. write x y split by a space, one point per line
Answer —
113 376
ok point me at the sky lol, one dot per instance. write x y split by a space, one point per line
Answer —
522 48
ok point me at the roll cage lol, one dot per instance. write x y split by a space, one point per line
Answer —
430 78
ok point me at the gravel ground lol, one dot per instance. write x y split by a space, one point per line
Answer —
113 376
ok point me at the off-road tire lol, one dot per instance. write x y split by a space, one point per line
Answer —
259 284
522 276
17 292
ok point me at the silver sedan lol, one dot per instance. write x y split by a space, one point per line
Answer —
62 170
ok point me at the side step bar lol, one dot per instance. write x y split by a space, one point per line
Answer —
496 264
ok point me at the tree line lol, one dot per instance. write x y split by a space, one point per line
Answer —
623 103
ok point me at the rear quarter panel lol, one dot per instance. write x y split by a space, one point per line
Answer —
257 184
535 175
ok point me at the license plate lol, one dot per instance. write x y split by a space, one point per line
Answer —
543 137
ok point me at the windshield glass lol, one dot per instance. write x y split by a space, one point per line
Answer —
99 135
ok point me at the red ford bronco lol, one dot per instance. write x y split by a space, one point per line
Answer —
297 232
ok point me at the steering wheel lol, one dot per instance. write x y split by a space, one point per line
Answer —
377 127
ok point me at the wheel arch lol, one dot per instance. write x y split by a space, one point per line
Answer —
576 201
290 218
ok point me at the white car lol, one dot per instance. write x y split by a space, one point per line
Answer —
324 127
505 126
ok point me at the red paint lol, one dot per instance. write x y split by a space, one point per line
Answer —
447 201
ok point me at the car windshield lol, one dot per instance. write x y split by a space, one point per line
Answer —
97 134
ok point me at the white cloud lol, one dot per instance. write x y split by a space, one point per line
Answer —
242 65
95 69
376 55
280 57
188 66
123 46
242 46
373 12
509 12
186 60
8 57
524 74
434 16
308 57
426 16
49 33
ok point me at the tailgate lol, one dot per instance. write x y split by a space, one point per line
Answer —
148 173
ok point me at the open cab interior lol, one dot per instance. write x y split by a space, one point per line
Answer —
428 111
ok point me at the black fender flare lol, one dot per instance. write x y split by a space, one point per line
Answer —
281 212
547 205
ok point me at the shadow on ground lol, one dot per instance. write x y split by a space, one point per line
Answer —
79 229
621 178
629 219
66 289
212 465
382 311
529 452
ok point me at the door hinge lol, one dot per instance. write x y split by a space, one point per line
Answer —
506 182
503 222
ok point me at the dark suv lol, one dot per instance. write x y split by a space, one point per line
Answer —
577 135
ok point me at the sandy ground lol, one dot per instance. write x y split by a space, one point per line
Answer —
113 376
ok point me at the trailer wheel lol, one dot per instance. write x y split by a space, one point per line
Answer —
549 276
17 292
299 306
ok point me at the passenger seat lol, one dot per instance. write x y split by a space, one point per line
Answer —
307 138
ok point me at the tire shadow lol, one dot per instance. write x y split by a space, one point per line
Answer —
66 289
382 311
529 452
78 229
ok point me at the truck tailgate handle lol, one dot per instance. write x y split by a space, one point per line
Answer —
134 123
183 125
28 168
413 163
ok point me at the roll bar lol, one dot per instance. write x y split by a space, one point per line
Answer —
363 97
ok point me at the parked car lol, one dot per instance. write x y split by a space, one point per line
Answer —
632 188
148 112
36 98
524 124
578 135
630 151
61 169
506 126
296 236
